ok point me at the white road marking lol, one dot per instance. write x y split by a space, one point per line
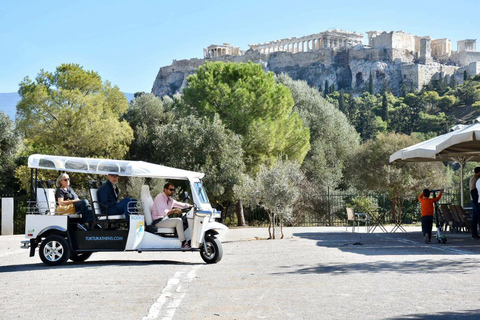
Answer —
441 247
174 292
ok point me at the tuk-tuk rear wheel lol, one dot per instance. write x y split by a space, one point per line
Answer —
54 250
215 250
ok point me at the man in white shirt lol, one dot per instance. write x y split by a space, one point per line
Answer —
163 206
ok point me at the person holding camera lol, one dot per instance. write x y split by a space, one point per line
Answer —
427 213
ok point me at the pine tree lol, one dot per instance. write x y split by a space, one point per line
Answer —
453 81
465 75
404 90
341 102
412 88
384 107
325 90
352 108
333 89
386 89
371 88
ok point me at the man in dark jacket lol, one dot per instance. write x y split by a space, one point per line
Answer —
108 198
474 198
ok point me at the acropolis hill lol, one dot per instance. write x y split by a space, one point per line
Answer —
341 58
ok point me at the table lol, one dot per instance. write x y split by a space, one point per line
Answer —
377 218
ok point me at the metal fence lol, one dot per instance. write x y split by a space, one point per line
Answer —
330 209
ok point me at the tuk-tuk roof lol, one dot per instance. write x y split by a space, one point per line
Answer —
105 166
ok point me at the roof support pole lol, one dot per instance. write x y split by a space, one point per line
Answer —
462 166
462 161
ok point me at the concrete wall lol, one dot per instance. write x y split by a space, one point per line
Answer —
7 216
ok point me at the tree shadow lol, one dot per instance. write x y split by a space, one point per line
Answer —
403 267
90 264
458 315
378 244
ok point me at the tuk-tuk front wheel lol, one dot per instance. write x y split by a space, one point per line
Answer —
54 250
215 250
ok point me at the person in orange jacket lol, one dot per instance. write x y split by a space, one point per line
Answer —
427 213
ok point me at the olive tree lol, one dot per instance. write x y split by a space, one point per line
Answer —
332 137
370 170
276 189
72 112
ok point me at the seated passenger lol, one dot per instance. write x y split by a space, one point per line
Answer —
163 207
108 198
66 196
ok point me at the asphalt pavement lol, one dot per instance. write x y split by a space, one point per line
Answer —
313 273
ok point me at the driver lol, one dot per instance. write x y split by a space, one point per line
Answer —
163 207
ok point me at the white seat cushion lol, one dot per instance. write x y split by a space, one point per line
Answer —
46 200
165 230
116 217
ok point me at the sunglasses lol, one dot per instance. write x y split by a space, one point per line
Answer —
66 179
171 189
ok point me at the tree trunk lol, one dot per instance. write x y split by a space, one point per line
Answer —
270 226
239 212
281 226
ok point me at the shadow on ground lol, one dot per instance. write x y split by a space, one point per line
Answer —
466 315
404 267
378 244
91 264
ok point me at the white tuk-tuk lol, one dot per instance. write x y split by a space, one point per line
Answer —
60 238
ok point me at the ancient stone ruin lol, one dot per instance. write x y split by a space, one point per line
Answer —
339 57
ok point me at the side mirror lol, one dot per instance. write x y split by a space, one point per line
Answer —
185 196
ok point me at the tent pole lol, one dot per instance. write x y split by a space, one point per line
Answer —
462 165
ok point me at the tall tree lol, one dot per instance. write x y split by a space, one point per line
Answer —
384 113
146 113
250 103
71 112
9 147
371 86
332 137
370 170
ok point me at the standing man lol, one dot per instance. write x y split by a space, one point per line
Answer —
108 197
163 207
474 197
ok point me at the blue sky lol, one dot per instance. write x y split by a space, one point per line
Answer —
126 42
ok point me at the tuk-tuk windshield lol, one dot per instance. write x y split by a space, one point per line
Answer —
201 192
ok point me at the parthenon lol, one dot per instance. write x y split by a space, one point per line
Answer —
335 39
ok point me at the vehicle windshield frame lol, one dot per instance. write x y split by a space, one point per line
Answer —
200 190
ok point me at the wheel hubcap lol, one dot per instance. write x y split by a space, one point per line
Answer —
53 251
210 250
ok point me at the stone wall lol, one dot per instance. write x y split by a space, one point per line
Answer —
464 58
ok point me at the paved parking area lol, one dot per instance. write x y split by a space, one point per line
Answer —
314 273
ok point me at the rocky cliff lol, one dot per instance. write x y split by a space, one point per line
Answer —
348 69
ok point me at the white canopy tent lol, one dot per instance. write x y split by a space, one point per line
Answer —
105 166
460 145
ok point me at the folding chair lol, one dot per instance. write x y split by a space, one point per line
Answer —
445 211
356 217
